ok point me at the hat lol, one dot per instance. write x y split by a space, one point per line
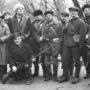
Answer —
37 13
74 9
86 6
19 5
49 12
65 14
1 15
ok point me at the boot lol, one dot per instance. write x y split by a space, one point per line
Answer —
36 71
55 68
63 79
49 75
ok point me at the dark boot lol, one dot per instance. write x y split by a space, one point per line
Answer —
36 70
55 68
49 75
63 79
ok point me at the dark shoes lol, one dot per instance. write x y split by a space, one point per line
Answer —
63 79
75 80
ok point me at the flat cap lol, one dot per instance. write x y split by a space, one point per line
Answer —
74 9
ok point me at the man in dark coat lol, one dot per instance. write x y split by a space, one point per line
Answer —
20 52
35 43
86 11
73 40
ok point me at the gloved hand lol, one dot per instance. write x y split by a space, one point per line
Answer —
14 68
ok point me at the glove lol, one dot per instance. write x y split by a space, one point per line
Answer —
14 68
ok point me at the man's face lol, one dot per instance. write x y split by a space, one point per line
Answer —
18 40
39 18
49 17
73 14
87 11
20 11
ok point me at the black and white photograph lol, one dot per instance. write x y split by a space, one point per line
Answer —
44 44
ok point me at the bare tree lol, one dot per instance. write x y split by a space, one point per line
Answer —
56 5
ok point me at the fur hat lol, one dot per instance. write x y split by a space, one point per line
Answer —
17 6
49 12
86 6
37 13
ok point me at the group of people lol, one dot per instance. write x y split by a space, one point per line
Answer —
23 42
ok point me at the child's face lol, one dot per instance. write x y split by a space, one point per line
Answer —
18 40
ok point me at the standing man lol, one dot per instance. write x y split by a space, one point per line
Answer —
51 37
86 11
73 39
65 20
20 23
35 44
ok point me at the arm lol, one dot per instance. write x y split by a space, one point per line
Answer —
7 35
83 31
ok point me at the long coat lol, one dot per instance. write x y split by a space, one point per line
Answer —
4 35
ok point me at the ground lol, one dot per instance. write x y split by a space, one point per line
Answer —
39 84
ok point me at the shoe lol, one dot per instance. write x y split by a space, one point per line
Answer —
63 79
87 76
75 80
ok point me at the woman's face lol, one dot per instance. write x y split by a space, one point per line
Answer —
18 40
